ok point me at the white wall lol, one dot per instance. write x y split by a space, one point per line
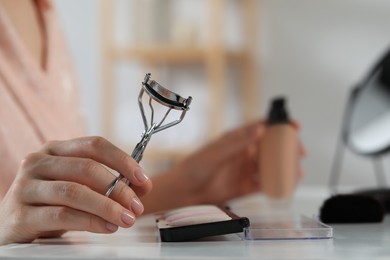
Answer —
315 52
311 51
79 20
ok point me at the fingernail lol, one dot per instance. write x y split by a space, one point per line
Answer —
127 217
137 206
140 175
111 227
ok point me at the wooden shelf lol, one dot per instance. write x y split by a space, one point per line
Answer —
156 157
171 55
214 57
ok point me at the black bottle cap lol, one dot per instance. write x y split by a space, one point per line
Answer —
278 113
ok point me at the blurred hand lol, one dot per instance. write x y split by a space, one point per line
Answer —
62 187
224 169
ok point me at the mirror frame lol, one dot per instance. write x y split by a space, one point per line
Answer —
351 103
345 130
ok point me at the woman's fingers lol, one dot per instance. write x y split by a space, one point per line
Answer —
102 151
57 218
87 172
78 197
63 187
233 142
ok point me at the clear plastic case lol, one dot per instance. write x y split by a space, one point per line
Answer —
295 227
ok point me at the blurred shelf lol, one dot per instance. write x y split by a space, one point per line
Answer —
172 55
214 56
156 159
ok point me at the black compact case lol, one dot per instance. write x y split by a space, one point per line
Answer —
195 222
363 206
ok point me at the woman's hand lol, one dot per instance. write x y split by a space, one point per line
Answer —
62 187
224 169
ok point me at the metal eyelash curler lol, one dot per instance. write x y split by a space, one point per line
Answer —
165 97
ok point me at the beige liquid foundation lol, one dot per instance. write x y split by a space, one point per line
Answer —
278 156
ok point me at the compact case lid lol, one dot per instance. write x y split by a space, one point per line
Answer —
195 222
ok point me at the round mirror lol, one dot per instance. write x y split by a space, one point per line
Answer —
367 122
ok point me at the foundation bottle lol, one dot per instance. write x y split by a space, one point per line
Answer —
278 153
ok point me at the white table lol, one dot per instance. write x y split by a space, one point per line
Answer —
357 241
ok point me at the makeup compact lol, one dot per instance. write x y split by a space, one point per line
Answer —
195 222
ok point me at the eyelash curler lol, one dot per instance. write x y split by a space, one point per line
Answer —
164 97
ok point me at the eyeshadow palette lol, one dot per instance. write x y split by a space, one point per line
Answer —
195 222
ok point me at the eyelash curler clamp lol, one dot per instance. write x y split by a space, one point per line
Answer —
164 97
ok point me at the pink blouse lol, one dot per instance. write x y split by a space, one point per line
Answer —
36 105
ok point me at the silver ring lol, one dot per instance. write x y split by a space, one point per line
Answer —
113 185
